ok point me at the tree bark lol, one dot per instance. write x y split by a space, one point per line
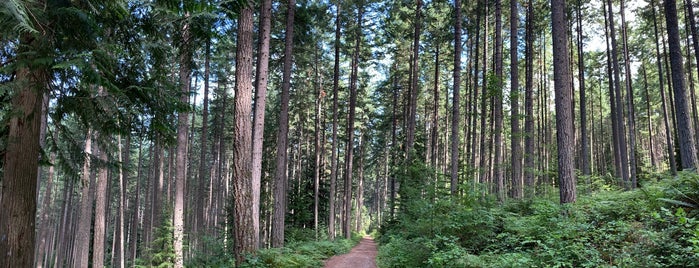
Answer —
261 76
333 156
412 113
529 151
456 101
346 220
100 225
684 124
516 154
246 226
585 153
497 106
564 124
21 164
631 118
185 58
661 81
81 250
281 178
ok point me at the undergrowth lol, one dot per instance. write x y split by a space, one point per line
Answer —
653 226
300 251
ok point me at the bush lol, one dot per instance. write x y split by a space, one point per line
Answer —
655 226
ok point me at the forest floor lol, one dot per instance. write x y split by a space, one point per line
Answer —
361 256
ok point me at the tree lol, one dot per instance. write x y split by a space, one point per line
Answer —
581 80
346 220
497 105
457 91
564 124
516 155
333 157
261 76
246 231
185 58
281 178
684 123
529 101
412 112
21 165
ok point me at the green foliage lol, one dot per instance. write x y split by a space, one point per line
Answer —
607 228
301 254
162 250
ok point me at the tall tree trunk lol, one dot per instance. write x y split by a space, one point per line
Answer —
346 220
42 252
497 105
281 179
246 225
261 76
317 138
412 114
484 168
564 124
631 118
21 165
81 250
100 224
668 132
360 184
432 142
616 80
516 154
456 101
684 124
585 156
185 58
648 115
333 156
204 178
695 45
529 152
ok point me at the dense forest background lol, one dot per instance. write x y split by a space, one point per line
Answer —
222 132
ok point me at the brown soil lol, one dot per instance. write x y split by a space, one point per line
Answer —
361 256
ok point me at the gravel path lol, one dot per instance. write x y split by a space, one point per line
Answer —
361 256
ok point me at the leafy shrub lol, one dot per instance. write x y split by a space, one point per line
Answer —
654 226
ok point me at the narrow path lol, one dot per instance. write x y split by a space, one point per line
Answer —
361 256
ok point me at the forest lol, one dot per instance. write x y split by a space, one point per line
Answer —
240 133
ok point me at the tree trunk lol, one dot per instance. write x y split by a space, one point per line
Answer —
412 114
497 106
281 180
185 73
261 76
333 157
204 178
81 250
318 149
516 154
585 156
346 220
564 124
631 118
100 225
456 101
684 124
484 168
529 152
246 225
19 183
668 132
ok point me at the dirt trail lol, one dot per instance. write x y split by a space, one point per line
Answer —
361 256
